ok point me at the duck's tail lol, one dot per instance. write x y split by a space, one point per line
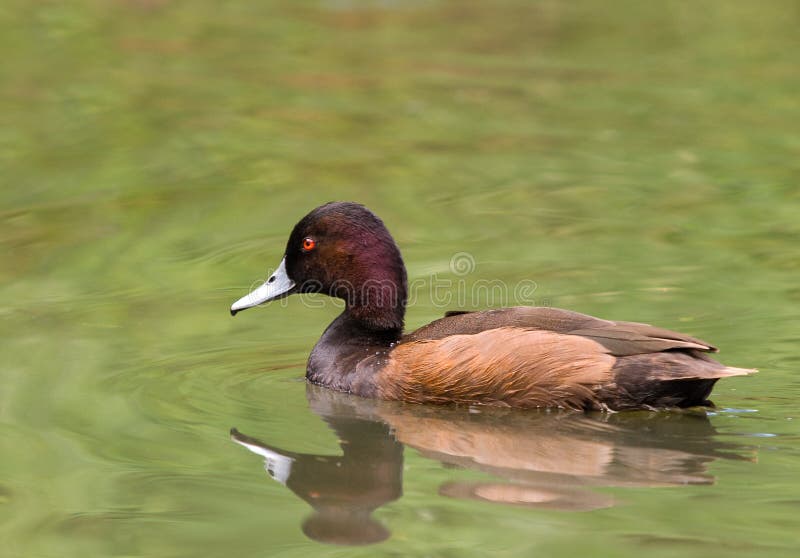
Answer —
668 379
728 371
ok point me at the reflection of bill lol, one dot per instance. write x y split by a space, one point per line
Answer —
276 464
545 460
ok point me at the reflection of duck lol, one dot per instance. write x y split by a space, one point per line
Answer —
518 357
343 490
543 460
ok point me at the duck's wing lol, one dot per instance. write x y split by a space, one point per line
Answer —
619 338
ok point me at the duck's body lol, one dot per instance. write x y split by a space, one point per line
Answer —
522 357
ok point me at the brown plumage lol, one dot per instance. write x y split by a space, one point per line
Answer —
521 357
503 366
549 357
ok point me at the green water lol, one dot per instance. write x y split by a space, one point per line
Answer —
637 161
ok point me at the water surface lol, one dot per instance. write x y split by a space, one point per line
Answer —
635 161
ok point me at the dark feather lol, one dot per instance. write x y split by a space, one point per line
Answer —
528 317
620 338
630 341
665 379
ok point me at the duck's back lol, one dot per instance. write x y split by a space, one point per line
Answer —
545 357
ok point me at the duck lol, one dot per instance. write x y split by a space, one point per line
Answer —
522 356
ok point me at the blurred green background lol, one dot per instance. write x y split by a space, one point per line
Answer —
637 160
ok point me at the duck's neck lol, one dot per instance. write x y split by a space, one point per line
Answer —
375 314
347 354
376 297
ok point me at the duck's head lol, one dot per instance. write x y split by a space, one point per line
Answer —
343 250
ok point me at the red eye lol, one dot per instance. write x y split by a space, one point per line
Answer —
309 244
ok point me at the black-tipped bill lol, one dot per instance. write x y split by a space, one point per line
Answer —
277 286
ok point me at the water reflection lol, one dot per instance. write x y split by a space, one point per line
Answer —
539 459
343 490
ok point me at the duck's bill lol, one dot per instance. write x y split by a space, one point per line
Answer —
277 286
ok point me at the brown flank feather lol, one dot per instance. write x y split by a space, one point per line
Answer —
502 366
